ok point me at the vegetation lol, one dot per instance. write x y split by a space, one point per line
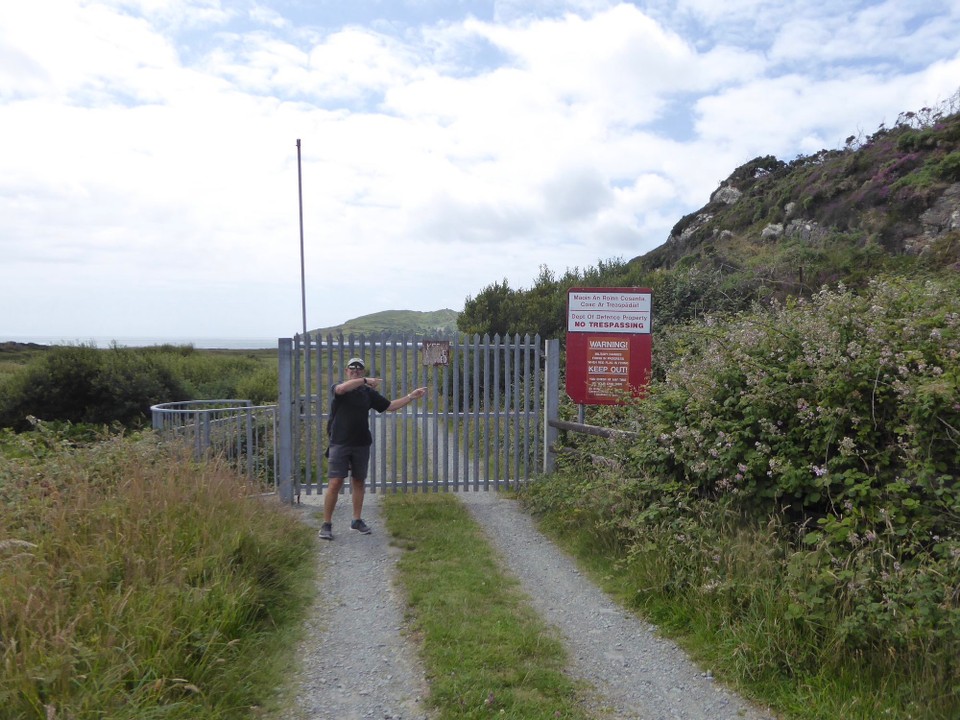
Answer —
486 651
13 356
137 584
789 501
680 296
116 386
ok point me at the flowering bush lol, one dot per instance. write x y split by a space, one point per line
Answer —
833 409
825 435
841 415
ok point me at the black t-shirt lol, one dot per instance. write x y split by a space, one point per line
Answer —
351 410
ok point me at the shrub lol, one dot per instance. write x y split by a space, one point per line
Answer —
948 168
860 384
260 387
117 386
81 384
842 414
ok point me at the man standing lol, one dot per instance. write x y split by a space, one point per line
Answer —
350 439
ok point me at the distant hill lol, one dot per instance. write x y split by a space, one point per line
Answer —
411 322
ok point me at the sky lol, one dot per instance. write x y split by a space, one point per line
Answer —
151 182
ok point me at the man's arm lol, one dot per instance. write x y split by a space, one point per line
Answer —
353 383
407 399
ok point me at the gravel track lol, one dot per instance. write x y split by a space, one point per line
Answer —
358 661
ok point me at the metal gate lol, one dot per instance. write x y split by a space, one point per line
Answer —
479 427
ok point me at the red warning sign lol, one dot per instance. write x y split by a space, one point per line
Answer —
609 348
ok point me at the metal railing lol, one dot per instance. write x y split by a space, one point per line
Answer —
242 433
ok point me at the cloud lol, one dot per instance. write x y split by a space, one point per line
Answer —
149 180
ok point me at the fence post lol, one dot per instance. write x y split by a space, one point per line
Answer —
551 404
285 420
251 448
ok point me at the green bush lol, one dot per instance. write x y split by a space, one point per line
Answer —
817 405
208 375
260 387
117 386
948 168
81 384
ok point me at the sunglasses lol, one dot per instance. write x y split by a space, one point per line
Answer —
355 367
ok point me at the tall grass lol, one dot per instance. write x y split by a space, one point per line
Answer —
135 583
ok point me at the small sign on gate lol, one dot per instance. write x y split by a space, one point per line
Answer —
435 353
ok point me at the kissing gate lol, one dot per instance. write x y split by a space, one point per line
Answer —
480 426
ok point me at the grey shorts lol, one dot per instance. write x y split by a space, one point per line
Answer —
346 460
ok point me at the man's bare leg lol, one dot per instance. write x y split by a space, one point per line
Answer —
358 489
330 498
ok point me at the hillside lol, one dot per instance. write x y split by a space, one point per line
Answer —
885 202
438 322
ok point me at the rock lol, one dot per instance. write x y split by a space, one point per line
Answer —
771 231
806 230
701 220
726 194
944 216
941 218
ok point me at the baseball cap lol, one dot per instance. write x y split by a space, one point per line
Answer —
356 362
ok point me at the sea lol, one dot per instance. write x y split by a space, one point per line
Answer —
200 343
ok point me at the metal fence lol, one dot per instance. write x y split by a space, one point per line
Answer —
487 422
242 433
480 426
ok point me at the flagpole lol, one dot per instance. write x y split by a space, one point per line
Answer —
303 282
306 338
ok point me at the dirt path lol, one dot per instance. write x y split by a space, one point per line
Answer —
359 662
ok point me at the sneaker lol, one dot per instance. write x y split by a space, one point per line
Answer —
326 531
360 526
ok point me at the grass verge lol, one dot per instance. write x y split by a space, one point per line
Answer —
746 637
486 652
139 584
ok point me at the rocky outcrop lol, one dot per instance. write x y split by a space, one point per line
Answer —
809 231
941 218
899 192
726 194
